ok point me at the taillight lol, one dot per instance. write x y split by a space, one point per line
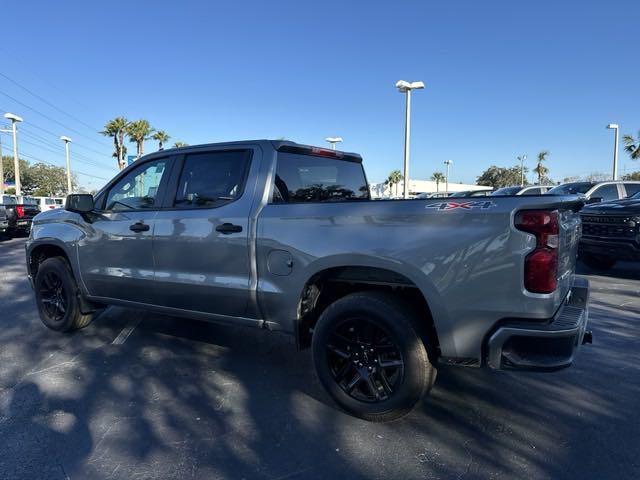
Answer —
541 265
20 211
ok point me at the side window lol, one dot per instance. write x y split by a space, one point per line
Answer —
632 188
307 178
138 189
606 192
532 191
211 179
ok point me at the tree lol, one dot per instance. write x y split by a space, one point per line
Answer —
632 146
139 132
438 177
498 177
540 169
117 128
9 172
48 180
161 137
395 177
180 145
631 176
38 179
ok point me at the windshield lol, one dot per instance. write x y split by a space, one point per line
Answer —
507 191
571 188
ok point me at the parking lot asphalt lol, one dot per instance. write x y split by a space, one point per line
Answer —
137 395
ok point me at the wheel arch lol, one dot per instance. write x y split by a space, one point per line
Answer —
327 284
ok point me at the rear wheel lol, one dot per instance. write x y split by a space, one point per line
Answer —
369 357
598 262
56 297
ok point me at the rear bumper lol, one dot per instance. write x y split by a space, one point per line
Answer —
619 250
543 347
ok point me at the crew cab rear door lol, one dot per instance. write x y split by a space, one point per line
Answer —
116 256
201 239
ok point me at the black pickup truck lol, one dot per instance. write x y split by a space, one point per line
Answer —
610 232
16 214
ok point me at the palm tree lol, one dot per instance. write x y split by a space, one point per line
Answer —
395 177
437 177
161 137
540 169
632 146
180 144
139 131
117 128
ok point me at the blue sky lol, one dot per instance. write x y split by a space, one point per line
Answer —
502 78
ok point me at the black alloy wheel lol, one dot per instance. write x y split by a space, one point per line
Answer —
364 361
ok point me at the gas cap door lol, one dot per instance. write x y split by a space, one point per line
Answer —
279 262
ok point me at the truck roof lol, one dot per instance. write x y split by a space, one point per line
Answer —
279 145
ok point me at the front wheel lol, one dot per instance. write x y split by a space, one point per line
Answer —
56 297
369 357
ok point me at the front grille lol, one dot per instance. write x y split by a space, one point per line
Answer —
609 227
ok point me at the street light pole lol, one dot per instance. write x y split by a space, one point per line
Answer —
67 141
447 163
614 126
16 164
333 141
406 87
522 158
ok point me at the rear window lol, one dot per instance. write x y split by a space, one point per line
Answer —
307 179
632 188
571 188
49 201
507 191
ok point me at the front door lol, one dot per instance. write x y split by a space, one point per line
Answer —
117 256
201 240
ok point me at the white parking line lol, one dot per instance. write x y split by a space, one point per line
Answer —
126 331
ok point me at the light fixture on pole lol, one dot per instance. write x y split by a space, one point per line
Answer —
67 141
16 165
333 141
522 158
614 126
406 87
447 163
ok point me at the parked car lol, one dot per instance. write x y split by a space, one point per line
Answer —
598 191
472 193
610 232
518 190
4 221
432 195
19 212
49 203
282 236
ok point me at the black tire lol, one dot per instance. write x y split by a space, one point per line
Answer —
383 393
57 297
598 262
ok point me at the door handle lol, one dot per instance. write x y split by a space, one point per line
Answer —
139 227
227 228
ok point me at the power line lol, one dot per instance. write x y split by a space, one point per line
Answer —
44 100
39 160
50 118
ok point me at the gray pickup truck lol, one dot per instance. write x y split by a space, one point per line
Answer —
282 236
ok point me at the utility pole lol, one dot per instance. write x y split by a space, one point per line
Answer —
613 126
16 164
522 158
447 163
406 87
2 130
67 141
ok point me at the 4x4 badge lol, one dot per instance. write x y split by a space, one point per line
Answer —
461 205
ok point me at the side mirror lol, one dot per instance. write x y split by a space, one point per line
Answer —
594 200
79 203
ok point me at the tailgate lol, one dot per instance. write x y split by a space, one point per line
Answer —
570 229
